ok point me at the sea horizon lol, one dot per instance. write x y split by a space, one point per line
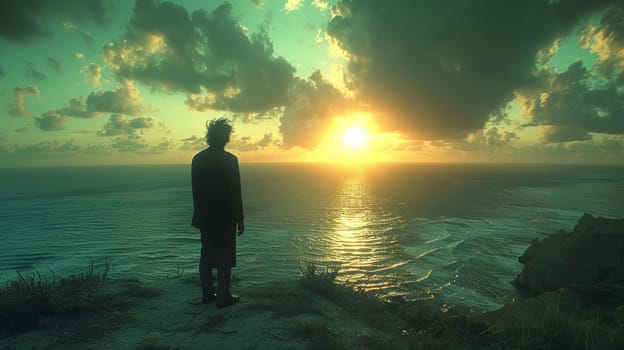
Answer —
415 230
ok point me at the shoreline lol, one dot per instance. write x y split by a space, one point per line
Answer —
313 312
572 301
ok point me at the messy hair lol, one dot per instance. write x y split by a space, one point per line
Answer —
218 132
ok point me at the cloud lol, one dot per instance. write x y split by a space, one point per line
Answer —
54 64
572 104
193 143
56 119
439 70
245 143
2 74
119 125
321 4
124 100
53 146
51 121
76 107
313 103
21 21
93 74
607 41
553 133
86 37
207 55
130 144
292 5
610 148
34 74
17 108
490 140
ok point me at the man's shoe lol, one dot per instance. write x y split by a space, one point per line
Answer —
209 299
226 300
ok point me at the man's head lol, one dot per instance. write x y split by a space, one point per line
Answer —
218 132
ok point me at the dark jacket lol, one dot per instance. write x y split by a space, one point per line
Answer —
216 184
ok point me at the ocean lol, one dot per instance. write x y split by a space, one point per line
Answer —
451 232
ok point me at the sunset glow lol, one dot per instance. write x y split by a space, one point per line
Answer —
355 138
118 85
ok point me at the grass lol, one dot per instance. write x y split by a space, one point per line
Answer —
27 299
551 321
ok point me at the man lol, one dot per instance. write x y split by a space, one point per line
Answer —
218 212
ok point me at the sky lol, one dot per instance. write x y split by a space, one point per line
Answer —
94 82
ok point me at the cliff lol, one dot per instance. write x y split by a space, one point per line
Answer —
589 261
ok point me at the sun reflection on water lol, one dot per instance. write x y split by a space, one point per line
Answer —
363 238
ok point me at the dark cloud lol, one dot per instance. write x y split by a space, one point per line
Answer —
608 148
29 19
76 107
440 69
313 103
54 64
51 121
119 125
17 108
557 133
124 100
57 118
2 74
34 74
572 104
207 55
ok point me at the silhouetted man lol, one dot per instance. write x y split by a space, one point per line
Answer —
218 212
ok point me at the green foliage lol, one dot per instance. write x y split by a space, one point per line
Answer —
28 298
319 276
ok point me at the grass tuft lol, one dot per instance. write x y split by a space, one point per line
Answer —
26 299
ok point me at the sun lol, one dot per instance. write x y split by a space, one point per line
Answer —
355 138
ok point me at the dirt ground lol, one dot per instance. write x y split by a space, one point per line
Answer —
159 315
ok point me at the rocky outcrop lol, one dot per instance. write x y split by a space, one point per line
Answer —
589 260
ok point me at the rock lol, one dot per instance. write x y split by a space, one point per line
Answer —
589 260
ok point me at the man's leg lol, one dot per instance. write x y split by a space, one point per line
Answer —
205 276
224 296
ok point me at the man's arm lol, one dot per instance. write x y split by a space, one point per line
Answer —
238 200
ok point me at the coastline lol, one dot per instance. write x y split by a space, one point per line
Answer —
563 310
